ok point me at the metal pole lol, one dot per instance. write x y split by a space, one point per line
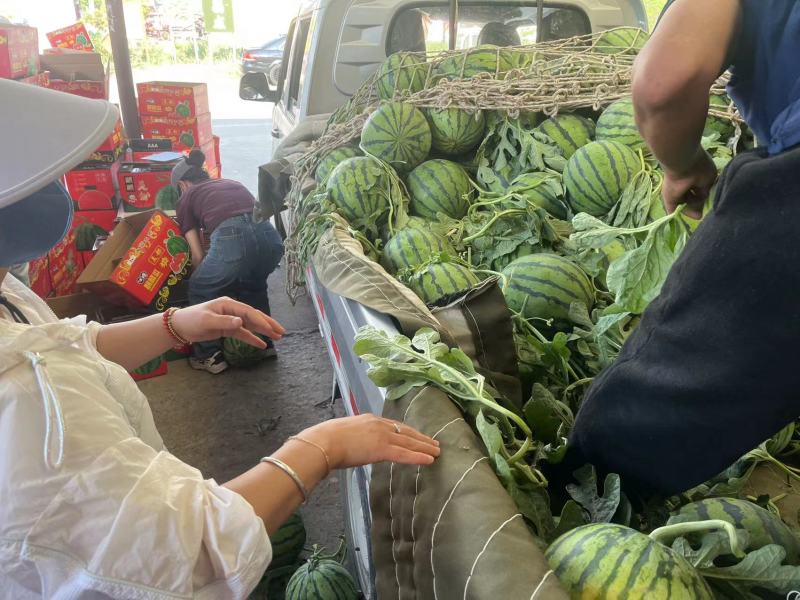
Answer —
539 20
122 68
453 24
77 5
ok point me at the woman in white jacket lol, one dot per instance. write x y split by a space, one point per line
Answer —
91 503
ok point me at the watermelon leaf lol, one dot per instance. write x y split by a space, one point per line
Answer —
572 516
601 509
760 569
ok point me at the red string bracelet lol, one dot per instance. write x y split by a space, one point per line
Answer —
167 321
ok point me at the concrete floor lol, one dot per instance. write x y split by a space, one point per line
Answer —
223 424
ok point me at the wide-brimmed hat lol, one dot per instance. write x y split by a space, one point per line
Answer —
44 134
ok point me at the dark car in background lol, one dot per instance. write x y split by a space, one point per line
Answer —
265 59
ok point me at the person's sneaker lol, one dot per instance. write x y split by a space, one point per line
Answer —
214 365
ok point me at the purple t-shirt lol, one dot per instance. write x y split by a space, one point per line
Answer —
209 203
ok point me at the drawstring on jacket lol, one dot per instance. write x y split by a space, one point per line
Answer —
53 417
16 313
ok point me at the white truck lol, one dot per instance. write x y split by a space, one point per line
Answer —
332 47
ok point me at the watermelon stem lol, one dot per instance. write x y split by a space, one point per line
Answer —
497 216
761 454
670 532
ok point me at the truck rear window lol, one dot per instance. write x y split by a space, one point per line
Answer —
425 28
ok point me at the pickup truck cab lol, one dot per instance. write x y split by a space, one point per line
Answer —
332 47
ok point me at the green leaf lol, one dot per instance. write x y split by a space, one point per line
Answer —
601 509
532 501
490 434
761 569
572 516
543 415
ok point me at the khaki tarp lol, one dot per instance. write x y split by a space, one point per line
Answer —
448 531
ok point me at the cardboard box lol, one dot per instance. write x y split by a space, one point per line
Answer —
172 99
185 134
40 79
39 275
210 150
19 51
154 368
74 37
77 72
105 219
93 186
140 149
139 183
66 265
111 148
141 263
96 308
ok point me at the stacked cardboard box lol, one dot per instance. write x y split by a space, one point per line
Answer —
19 51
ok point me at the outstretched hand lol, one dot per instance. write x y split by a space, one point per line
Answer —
691 187
367 439
225 317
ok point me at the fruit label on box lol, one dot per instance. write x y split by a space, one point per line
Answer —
66 265
93 188
180 100
185 134
140 183
87 89
157 260
74 37
19 51
39 276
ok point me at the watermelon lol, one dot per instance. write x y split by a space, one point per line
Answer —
764 527
535 188
397 133
523 249
86 234
482 59
288 542
719 125
618 123
622 40
412 246
359 188
321 578
568 132
439 186
441 280
542 286
618 563
455 131
241 354
167 198
333 158
401 72
273 584
597 174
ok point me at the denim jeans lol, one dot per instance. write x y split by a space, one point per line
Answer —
240 257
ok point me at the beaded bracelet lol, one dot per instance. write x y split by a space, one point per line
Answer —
168 325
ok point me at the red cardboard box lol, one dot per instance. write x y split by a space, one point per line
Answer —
172 99
40 79
66 265
74 37
139 183
140 263
140 149
111 148
185 134
39 275
210 150
104 219
154 368
77 72
93 186
19 51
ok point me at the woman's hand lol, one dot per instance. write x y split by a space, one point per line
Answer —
691 187
225 317
368 439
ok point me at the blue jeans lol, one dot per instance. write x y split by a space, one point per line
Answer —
240 257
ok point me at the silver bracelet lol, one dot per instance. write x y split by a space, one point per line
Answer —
290 472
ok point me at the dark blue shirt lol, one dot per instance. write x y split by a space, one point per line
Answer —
766 71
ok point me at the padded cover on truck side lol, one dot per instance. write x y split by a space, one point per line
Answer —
450 531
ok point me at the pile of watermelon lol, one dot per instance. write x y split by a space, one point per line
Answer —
565 211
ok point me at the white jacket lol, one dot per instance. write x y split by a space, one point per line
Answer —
91 504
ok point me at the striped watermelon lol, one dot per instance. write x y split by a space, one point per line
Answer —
539 191
618 123
613 562
523 249
440 280
288 542
439 186
333 158
397 133
568 132
542 286
401 72
719 125
322 578
764 527
483 59
358 188
241 354
597 174
622 40
412 246
455 131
